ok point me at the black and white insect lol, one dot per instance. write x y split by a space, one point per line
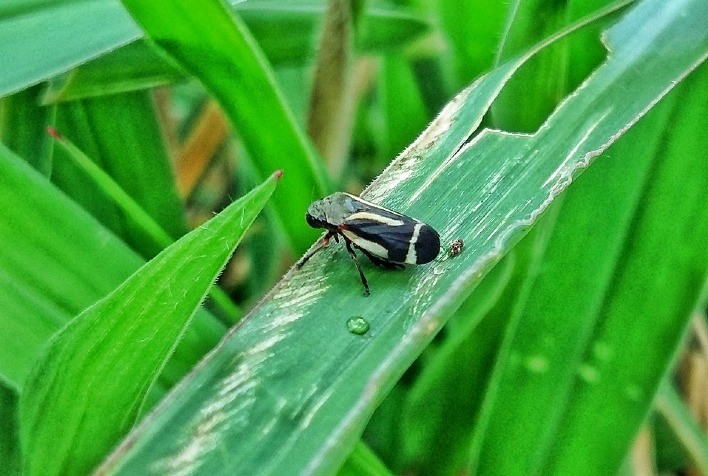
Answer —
389 239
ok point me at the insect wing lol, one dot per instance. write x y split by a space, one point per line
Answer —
427 244
392 236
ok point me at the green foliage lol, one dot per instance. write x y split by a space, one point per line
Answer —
93 376
556 326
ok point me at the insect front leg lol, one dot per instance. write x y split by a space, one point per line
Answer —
323 242
358 266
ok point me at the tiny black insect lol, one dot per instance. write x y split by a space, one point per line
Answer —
387 238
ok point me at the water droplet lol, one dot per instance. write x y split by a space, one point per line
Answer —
358 325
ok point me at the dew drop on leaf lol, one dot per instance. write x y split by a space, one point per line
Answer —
358 325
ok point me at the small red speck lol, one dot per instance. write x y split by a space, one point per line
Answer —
278 174
54 133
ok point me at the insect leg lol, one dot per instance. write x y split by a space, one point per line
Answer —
358 266
324 242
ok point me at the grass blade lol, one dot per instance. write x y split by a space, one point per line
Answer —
135 328
239 77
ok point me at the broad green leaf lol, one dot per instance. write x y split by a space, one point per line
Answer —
290 387
92 378
558 306
40 39
216 47
56 260
439 410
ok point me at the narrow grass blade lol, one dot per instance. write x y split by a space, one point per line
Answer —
94 375
232 66
55 261
22 122
155 236
124 149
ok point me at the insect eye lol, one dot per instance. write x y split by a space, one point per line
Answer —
313 222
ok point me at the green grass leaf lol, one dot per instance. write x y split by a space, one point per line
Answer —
440 408
95 373
23 123
134 66
43 38
555 351
684 425
64 36
217 48
56 260
124 149
154 237
648 303
291 387
9 443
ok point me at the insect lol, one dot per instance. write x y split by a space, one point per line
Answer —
456 247
389 239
